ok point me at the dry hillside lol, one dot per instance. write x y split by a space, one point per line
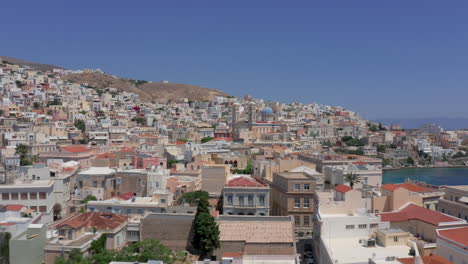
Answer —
148 91
37 66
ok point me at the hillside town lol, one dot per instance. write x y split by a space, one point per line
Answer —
99 175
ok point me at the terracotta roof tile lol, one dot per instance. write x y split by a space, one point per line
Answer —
409 186
14 207
244 182
455 236
93 219
76 149
426 260
342 188
414 212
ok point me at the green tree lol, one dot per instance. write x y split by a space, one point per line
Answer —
4 247
139 120
352 179
36 105
206 139
99 245
206 230
193 197
22 151
89 198
410 161
381 148
80 124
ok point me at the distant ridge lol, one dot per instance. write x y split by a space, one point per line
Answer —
148 91
37 66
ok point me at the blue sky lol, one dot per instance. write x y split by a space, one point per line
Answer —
380 58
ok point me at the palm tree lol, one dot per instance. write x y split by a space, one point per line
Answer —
352 178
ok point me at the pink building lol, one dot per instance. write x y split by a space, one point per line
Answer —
144 161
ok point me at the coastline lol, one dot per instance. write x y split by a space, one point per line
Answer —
427 167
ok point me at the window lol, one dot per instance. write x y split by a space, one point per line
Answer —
109 209
94 183
24 196
395 239
139 211
306 220
306 203
14 196
297 202
261 200
459 215
33 208
443 211
362 226
349 226
250 200
229 200
33 196
306 186
128 211
163 201
5 196
241 200
297 220
376 211
42 209
297 186
374 225
42 195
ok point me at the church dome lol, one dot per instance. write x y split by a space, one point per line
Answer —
267 111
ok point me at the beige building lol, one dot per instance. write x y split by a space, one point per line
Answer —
261 238
455 201
292 195
422 224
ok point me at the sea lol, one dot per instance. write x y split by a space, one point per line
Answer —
436 176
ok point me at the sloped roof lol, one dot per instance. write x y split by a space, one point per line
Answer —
93 219
342 188
76 149
409 186
455 236
415 212
244 182
14 207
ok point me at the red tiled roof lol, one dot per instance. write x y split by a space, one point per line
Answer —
414 212
244 182
455 236
7 224
342 188
426 260
409 186
76 149
93 219
14 207
126 196
360 163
